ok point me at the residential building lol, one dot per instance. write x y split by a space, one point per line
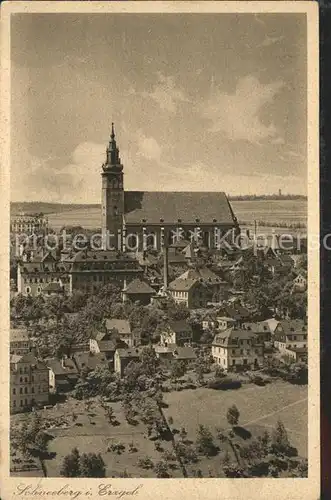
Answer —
185 354
123 357
88 361
176 332
105 343
90 270
224 322
298 354
63 374
237 348
37 273
291 334
261 329
29 382
122 326
20 342
138 291
28 223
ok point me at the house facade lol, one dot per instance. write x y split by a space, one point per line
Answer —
123 357
29 382
122 326
237 348
20 342
176 332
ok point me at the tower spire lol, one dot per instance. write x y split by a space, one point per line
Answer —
112 131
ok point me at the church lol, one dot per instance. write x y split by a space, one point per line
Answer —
137 220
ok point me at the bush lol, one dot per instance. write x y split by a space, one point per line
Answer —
224 384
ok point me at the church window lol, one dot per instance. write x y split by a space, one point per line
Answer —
28 289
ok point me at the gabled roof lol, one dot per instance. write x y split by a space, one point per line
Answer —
182 285
133 353
18 335
28 358
89 360
56 366
184 353
292 326
258 327
180 326
121 325
203 274
231 336
137 286
169 207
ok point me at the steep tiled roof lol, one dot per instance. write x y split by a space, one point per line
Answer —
129 353
292 326
203 274
137 286
18 334
56 366
121 325
169 207
232 335
182 285
89 360
184 353
180 326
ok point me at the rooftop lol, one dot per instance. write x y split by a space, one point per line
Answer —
137 286
232 335
121 325
157 207
18 334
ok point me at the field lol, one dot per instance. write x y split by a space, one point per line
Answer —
260 408
273 211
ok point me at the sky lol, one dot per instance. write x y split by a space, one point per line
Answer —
201 102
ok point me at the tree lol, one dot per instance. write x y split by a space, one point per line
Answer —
183 433
205 442
149 361
161 470
41 442
233 415
92 465
178 370
71 464
280 443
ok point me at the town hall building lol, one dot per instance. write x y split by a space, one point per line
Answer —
140 219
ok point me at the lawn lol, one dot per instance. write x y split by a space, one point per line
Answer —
260 408
91 432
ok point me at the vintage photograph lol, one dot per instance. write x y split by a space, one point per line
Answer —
159 245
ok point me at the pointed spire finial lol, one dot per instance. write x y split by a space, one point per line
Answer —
112 131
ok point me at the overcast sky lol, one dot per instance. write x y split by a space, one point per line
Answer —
200 102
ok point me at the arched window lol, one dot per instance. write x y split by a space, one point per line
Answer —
28 289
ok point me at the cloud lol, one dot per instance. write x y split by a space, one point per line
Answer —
165 93
148 147
237 115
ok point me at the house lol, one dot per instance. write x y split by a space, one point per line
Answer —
176 332
138 291
261 329
224 322
63 374
106 343
298 354
291 334
236 312
209 322
20 342
122 326
196 287
237 348
29 382
185 354
88 361
123 357
164 353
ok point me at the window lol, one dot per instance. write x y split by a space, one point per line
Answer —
14 391
241 351
233 351
14 403
28 289
32 378
21 379
21 402
25 390
21 390
32 390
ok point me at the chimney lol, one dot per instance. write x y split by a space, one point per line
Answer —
165 267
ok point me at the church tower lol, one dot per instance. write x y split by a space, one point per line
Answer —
112 193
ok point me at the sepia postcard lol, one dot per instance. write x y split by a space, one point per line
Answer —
160 266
